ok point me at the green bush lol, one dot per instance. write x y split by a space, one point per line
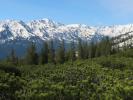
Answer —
10 69
9 85
97 79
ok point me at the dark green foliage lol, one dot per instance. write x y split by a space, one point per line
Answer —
103 77
72 53
51 52
85 50
104 47
114 63
32 56
80 50
10 69
60 55
9 85
44 54
127 53
12 59
82 80
92 50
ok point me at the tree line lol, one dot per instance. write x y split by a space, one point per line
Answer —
61 54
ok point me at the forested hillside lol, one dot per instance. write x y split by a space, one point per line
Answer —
95 71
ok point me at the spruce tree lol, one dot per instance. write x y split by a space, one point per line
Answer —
105 46
108 46
98 50
60 55
44 54
72 52
13 59
92 49
32 56
51 55
85 50
80 49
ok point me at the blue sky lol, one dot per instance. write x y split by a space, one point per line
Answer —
90 12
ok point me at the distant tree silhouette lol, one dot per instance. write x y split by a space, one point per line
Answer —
13 59
44 54
60 55
51 55
32 56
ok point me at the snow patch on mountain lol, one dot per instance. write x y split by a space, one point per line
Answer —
46 29
18 34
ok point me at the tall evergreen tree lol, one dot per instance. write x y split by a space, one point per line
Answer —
32 56
13 59
51 52
85 50
92 49
72 52
98 50
44 53
80 49
60 55
108 46
103 47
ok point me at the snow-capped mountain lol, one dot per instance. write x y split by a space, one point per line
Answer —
44 29
17 34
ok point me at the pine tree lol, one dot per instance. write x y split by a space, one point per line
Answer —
51 52
72 52
60 56
98 50
13 59
44 54
105 46
32 56
85 50
92 49
108 46
80 49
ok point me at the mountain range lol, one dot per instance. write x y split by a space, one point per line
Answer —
18 34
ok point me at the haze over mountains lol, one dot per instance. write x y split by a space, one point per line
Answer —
18 34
